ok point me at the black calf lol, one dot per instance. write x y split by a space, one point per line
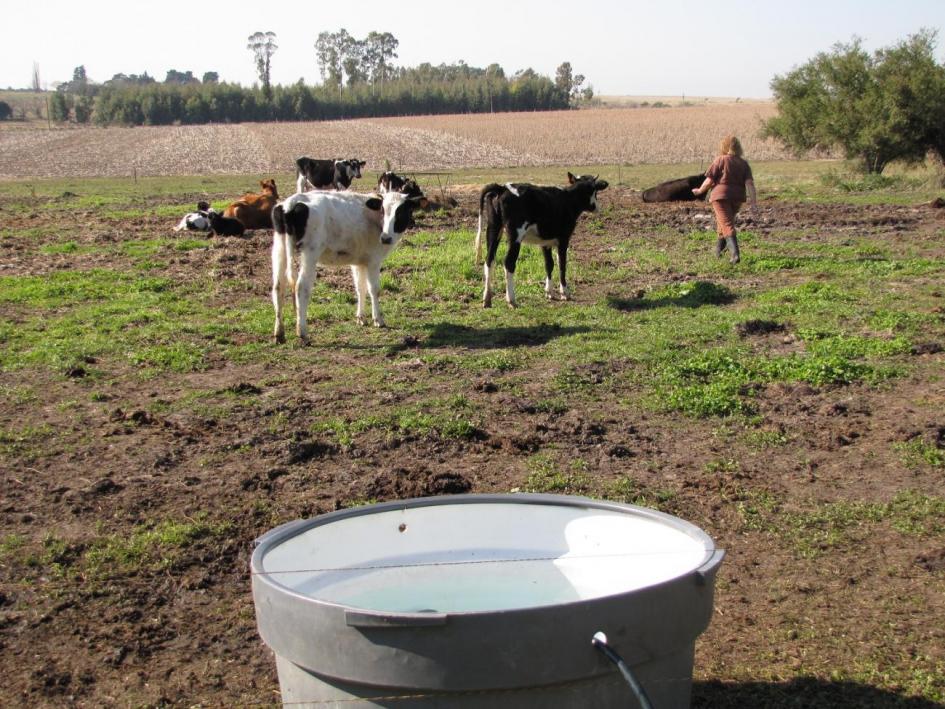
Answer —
543 216
225 226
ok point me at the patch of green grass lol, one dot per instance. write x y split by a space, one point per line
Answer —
545 476
764 439
722 381
10 545
633 492
917 453
68 287
443 419
149 547
25 440
191 244
815 529
861 182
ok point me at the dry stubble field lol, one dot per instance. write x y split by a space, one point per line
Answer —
149 431
595 137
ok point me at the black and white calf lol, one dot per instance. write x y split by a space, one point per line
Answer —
196 221
335 229
392 182
543 216
324 174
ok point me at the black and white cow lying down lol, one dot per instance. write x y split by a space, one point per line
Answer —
207 219
325 174
335 229
196 221
543 216
675 190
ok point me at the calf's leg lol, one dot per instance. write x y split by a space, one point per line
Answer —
280 282
549 267
511 258
492 244
374 290
563 271
303 292
359 275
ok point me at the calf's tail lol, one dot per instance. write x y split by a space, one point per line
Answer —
491 190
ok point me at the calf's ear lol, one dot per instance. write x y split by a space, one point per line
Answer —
571 179
374 203
601 185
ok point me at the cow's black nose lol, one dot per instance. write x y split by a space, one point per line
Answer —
386 240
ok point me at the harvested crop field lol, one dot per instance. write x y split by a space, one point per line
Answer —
791 406
603 136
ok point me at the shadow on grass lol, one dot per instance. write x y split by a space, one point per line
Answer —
693 296
807 692
446 334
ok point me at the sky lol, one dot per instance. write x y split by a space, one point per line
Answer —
729 48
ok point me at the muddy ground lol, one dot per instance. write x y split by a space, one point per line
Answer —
787 631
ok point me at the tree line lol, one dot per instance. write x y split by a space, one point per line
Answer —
359 80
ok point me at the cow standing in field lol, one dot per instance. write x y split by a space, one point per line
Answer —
335 229
675 190
254 211
543 216
327 174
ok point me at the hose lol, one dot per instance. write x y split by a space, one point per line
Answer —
600 642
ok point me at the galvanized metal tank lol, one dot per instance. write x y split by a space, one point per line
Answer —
484 601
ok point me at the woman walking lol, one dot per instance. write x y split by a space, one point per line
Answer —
731 181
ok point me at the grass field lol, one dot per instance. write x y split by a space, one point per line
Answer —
790 406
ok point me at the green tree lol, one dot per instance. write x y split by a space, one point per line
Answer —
876 108
329 59
180 77
915 88
83 109
59 107
379 49
263 46
211 77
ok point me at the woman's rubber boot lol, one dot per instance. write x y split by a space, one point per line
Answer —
719 247
732 242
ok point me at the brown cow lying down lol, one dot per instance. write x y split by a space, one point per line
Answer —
675 190
254 211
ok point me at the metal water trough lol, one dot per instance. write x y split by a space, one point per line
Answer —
484 601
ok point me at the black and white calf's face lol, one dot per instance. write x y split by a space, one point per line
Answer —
591 185
398 214
354 168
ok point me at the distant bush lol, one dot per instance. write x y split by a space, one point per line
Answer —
5 111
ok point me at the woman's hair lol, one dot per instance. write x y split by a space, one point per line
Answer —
730 145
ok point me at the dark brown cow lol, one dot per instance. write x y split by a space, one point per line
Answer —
675 190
